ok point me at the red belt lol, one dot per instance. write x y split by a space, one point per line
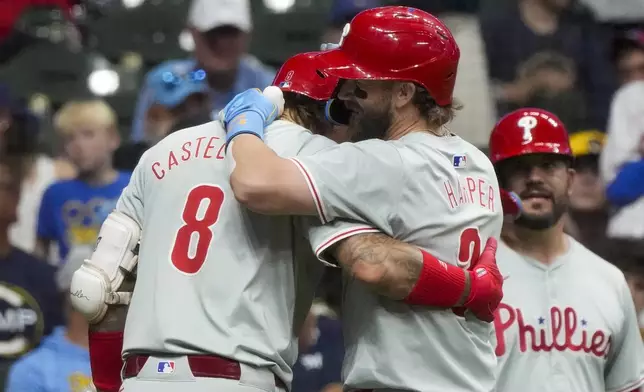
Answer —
201 365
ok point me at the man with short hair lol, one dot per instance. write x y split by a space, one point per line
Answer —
221 32
567 320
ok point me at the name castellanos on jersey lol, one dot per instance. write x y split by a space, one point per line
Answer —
469 190
561 330
198 148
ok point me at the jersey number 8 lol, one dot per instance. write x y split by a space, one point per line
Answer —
195 223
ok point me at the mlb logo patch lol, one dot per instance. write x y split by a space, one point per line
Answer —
285 85
166 367
459 161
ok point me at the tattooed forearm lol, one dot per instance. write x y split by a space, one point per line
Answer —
389 266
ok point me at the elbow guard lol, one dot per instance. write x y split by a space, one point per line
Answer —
94 285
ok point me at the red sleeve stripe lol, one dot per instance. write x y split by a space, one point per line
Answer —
632 386
314 191
339 236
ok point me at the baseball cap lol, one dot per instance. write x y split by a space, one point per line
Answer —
206 15
171 82
342 11
75 257
588 142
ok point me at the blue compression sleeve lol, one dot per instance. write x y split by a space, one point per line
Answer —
628 186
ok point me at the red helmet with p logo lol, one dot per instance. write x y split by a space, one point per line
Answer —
528 131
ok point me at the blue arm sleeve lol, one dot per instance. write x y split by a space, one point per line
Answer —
628 186
24 377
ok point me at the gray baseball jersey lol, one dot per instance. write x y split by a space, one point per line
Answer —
566 327
440 194
214 277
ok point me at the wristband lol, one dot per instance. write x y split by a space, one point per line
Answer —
105 359
439 284
248 122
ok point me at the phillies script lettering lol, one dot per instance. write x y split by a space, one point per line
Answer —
561 331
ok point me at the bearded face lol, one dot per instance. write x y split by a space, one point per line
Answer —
543 183
369 105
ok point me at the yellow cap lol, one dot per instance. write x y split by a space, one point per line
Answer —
587 142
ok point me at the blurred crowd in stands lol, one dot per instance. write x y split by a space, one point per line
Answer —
581 59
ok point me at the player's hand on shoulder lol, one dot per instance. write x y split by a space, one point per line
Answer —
251 111
486 284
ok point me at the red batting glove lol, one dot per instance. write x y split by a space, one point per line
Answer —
486 281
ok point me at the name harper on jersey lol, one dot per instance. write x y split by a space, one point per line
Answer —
469 190
561 331
192 149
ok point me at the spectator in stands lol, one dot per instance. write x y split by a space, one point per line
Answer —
622 164
175 91
588 207
628 54
29 302
61 363
624 157
526 28
553 77
321 352
21 137
221 33
71 212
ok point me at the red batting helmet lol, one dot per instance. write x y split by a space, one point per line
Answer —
528 131
397 43
299 74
